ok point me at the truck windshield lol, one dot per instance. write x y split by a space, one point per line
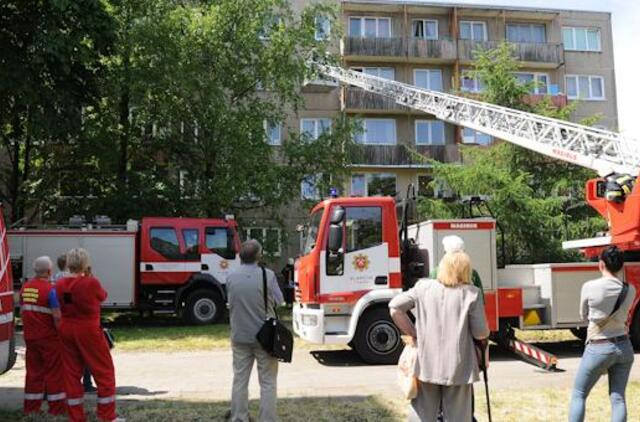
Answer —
311 231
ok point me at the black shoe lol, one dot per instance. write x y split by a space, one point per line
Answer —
90 389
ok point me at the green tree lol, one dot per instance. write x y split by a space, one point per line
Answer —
50 62
538 201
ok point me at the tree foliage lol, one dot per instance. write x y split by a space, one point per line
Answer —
537 201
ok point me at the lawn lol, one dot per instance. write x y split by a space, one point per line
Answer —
507 406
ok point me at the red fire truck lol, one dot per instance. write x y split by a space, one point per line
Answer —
7 339
162 265
355 257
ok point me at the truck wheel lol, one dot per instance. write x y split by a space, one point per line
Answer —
579 332
634 330
377 338
203 307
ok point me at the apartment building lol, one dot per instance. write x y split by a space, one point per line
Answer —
568 53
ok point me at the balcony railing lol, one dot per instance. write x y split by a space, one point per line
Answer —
401 155
432 49
356 99
556 100
525 52
374 47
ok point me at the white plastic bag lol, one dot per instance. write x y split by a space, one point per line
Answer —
406 369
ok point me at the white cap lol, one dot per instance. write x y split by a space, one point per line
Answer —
453 243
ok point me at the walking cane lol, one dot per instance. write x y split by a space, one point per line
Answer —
483 346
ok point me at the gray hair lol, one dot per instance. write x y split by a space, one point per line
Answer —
250 251
78 260
42 265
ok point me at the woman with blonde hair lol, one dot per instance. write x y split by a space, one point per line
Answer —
85 346
449 315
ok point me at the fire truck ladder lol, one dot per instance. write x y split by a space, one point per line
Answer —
597 149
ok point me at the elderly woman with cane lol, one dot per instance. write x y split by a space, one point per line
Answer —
449 316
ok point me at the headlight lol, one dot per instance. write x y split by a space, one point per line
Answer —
311 320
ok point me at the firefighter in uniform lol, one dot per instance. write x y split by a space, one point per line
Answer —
40 316
618 187
85 346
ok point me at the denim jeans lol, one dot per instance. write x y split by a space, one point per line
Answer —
612 358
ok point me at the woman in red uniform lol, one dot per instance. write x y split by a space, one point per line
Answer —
80 296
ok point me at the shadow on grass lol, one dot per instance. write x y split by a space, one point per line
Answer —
350 408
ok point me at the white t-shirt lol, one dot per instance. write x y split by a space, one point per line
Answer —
597 300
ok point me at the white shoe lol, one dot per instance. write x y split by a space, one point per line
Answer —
119 420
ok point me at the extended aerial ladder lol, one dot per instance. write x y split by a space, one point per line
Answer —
600 150
597 149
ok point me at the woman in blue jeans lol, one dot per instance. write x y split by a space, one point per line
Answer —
608 348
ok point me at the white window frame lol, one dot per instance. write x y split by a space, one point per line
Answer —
362 27
476 84
591 97
378 69
364 133
270 141
536 80
530 24
316 178
265 34
430 122
415 72
324 36
247 231
424 33
485 34
598 49
476 133
367 177
316 126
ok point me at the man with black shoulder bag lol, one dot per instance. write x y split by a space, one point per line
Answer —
253 295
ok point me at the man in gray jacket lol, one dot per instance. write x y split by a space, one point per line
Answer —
247 314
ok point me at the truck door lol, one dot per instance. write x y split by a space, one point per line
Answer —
165 260
362 264
219 252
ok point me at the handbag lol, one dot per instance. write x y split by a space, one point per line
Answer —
274 337
406 369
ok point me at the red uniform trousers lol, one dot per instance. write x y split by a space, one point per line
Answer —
44 374
86 347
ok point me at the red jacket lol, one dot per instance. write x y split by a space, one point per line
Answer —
80 299
37 299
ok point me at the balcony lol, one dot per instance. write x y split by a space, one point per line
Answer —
401 156
559 101
357 100
432 50
359 47
545 55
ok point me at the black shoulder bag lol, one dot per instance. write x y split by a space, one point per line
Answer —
274 337
621 297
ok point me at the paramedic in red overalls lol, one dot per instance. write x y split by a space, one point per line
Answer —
40 316
80 296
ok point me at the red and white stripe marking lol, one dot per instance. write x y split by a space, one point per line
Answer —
533 352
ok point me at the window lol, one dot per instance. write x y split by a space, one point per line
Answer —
470 136
314 128
428 79
425 187
191 242
585 87
425 28
164 240
430 132
377 132
581 39
364 227
373 184
311 231
220 240
271 24
471 84
381 72
309 189
526 33
269 238
540 81
274 133
473 30
370 27
323 28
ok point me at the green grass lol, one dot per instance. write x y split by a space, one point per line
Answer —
541 405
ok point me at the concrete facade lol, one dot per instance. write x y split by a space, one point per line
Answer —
450 55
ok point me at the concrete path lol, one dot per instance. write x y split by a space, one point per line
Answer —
207 375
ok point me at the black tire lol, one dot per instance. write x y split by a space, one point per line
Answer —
202 307
377 339
634 330
579 332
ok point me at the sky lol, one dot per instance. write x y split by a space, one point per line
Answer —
626 45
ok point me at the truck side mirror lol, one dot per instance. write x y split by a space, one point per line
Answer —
337 215
334 243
